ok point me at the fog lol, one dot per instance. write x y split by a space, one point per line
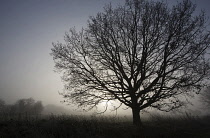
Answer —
27 30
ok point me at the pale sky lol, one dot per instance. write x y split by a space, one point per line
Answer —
27 30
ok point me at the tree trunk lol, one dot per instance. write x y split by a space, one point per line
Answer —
136 117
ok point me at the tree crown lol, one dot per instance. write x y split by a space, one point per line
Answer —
143 54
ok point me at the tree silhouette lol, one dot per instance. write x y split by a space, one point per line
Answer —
143 54
28 106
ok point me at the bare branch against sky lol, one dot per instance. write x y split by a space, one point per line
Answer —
143 54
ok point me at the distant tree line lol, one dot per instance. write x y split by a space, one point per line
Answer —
22 106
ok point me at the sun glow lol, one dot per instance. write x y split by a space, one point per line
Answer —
108 105
105 103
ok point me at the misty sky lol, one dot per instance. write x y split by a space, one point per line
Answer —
27 30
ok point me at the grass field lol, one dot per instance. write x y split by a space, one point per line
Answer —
65 126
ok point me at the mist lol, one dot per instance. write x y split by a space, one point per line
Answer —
31 87
28 29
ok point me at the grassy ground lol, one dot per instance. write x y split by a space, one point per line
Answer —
62 126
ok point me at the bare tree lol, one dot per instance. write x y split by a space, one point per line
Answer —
28 106
143 54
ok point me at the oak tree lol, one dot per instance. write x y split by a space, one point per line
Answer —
142 54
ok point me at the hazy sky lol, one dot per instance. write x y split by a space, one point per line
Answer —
27 30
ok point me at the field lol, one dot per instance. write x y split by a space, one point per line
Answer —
65 126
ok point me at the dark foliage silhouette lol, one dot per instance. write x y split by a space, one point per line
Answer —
143 54
22 106
29 106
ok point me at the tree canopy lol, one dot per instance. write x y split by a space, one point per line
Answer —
143 54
